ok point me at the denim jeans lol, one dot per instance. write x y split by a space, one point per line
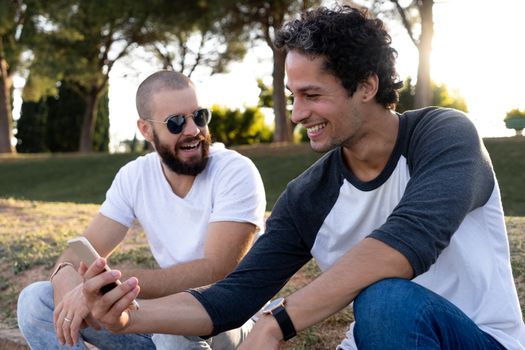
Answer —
228 340
35 320
400 314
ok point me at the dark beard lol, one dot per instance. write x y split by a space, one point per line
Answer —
170 159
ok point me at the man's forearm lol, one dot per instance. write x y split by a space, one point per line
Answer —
175 314
157 283
367 263
226 244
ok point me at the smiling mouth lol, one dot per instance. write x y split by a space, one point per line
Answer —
316 128
190 146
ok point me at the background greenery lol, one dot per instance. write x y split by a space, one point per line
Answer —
54 123
86 178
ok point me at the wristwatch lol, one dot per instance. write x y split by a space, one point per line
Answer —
277 310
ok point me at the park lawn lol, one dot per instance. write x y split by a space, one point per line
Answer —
46 199
508 158
86 178
32 235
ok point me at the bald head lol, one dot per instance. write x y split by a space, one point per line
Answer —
159 81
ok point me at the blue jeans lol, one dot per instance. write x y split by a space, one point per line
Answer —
35 320
400 314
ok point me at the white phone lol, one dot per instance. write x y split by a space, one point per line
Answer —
87 254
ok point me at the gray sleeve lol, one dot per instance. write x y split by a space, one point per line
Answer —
275 257
451 175
280 252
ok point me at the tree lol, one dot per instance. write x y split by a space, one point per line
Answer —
191 34
84 40
515 119
416 17
101 136
16 26
31 128
441 96
64 119
264 18
54 123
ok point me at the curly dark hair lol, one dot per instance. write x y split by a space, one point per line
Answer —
354 47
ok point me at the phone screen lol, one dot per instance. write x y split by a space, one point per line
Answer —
107 287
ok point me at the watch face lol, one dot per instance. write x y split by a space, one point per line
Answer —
274 304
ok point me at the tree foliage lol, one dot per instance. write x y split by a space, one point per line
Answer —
16 30
54 123
239 127
263 18
193 34
515 119
441 96
83 41
31 128
417 18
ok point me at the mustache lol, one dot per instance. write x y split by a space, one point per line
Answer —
191 139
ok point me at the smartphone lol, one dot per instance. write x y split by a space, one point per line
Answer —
87 254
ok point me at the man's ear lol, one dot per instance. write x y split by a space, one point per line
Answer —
145 129
369 87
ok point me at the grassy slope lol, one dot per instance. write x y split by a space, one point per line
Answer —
85 179
65 178
33 233
508 158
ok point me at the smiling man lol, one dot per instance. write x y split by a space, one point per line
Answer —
200 206
403 215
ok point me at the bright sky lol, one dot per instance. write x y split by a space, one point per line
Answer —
478 49
483 56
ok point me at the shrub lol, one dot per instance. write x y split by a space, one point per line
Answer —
239 127
441 96
515 119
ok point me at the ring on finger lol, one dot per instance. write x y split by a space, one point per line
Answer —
66 319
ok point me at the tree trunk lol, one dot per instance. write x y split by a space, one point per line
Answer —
6 117
283 130
423 95
89 120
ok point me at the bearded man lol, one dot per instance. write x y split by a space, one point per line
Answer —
200 206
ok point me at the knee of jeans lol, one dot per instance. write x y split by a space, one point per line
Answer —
383 298
33 301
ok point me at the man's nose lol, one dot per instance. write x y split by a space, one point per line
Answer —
190 128
299 112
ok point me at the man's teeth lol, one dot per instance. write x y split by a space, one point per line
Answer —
316 128
190 145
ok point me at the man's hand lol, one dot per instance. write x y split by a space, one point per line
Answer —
70 315
110 309
265 335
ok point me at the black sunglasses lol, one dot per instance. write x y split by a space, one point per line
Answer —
175 123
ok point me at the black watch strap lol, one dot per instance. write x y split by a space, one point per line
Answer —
284 321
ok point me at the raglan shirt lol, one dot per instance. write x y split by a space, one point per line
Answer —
229 189
436 201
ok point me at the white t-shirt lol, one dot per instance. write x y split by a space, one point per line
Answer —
436 202
229 189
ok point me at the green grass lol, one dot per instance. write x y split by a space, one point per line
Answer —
508 158
33 233
60 178
86 178
280 167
